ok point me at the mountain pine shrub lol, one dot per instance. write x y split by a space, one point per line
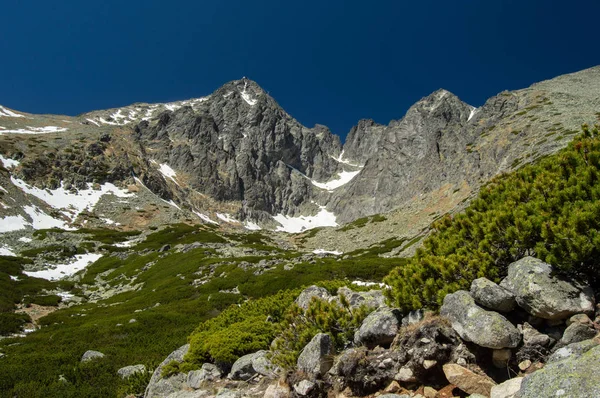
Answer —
550 210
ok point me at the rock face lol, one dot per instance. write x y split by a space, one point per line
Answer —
160 387
317 357
492 296
473 323
90 355
543 295
379 328
573 377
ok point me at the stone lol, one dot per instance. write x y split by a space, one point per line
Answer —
227 393
379 328
372 299
532 337
304 387
393 387
428 364
579 318
468 381
429 392
413 317
90 355
577 332
524 365
573 377
249 365
317 356
574 350
277 390
160 387
490 295
406 375
307 295
208 372
473 323
544 295
190 394
508 389
129 371
501 357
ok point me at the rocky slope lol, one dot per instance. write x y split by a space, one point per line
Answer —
237 158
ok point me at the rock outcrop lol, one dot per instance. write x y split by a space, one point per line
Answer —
379 328
543 295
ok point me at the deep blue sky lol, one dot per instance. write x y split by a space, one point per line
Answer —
328 62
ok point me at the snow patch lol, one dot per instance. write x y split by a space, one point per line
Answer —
42 220
323 251
473 111
205 217
227 218
25 239
12 223
62 270
72 203
36 130
93 121
9 163
252 226
6 251
341 159
14 278
168 172
246 96
323 218
361 283
8 113
344 178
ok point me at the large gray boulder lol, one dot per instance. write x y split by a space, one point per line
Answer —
371 299
473 323
577 332
160 387
490 295
208 372
317 356
544 295
129 371
574 350
573 377
90 355
249 365
309 293
379 328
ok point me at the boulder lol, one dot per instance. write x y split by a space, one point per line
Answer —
90 355
468 381
307 295
304 387
249 365
317 356
579 318
371 299
160 387
574 350
508 389
413 317
532 337
379 328
277 390
473 323
129 371
208 372
573 377
577 332
490 295
544 295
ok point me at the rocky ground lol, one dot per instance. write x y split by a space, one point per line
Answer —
533 335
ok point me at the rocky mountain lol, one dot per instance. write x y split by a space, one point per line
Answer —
237 158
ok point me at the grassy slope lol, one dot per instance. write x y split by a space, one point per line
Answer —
32 368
